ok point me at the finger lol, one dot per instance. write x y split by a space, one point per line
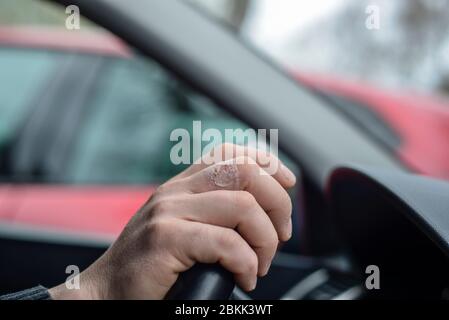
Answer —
266 160
211 244
236 210
231 175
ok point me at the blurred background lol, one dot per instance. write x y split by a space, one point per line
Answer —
380 75
409 50
327 45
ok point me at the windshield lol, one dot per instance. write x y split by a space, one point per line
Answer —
384 65
401 44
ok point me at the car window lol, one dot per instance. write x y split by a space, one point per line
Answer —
22 77
126 118
90 109
125 135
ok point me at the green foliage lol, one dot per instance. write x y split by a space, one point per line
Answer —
34 12
31 12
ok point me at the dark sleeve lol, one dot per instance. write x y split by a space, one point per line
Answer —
36 293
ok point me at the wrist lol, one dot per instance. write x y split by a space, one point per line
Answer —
88 289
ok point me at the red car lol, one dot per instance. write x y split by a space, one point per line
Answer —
412 128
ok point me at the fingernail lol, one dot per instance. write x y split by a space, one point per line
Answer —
287 233
266 270
288 174
290 229
253 284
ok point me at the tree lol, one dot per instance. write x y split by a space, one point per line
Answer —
410 49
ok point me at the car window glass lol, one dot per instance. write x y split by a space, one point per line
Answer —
125 135
100 113
22 76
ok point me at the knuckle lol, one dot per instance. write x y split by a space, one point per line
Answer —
249 264
247 161
244 200
224 149
226 146
284 203
164 188
162 206
164 236
230 148
159 228
273 240
247 167
228 239
270 241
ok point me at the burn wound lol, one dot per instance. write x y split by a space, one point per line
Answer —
224 175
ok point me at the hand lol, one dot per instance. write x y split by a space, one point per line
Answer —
228 212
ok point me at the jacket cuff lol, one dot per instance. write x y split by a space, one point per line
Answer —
36 293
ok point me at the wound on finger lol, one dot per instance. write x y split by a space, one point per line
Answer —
225 175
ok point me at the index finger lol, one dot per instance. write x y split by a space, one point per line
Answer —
266 160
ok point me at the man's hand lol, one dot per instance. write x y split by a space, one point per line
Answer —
228 212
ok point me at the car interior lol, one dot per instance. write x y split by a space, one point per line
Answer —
355 204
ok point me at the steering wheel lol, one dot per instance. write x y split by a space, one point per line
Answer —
203 282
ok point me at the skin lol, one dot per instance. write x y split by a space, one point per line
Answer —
226 212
